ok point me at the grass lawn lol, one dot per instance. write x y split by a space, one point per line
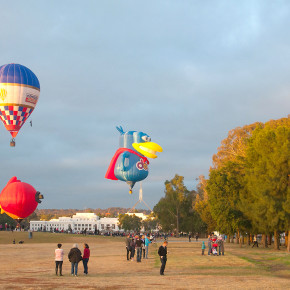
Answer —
31 265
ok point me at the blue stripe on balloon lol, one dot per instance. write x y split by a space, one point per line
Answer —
18 74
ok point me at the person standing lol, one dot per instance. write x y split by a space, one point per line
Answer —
74 256
196 237
209 245
147 242
139 243
86 257
143 246
202 248
162 252
222 247
58 253
189 237
132 247
128 247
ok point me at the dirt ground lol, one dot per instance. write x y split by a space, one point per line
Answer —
31 266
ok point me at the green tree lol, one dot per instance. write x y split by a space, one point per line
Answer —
201 205
224 188
130 222
4 218
267 196
175 211
150 223
168 209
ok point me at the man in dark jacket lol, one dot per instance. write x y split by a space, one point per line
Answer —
162 252
139 243
74 256
128 247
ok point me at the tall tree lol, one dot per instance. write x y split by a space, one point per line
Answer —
267 177
224 188
201 205
233 148
170 205
130 222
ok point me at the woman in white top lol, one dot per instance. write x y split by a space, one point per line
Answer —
58 259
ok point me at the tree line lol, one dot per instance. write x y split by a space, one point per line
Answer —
246 193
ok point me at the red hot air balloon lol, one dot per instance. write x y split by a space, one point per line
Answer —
19 199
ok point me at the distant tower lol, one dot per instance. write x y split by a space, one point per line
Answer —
140 199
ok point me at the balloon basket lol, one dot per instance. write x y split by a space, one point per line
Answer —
12 143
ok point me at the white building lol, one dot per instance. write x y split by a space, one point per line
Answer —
77 223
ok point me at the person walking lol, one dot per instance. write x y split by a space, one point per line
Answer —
255 242
147 242
189 237
58 253
139 243
86 257
74 256
128 247
202 248
162 252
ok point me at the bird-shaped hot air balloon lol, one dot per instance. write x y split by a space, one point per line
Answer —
19 93
129 163
19 199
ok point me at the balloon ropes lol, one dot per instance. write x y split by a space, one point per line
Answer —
130 163
19 199
19 93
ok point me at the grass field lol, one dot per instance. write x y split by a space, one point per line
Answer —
31 265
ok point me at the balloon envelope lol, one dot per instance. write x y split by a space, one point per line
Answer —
18 199
19 93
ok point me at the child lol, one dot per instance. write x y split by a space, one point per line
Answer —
214 248
202 248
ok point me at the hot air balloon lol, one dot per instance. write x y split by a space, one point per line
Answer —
19 93
19 199
129 163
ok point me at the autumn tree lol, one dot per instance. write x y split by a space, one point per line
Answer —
233 148
224 188
201 205
267 175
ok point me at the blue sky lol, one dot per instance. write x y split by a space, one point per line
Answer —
184 72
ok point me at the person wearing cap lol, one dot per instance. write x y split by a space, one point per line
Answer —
74 256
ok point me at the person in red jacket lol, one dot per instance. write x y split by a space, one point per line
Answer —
86 257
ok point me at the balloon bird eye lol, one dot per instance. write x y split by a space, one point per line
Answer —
146 138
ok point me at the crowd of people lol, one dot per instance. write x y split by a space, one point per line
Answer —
139 244
74 256
215 245
135 244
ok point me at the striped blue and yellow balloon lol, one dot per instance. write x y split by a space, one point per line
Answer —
19 94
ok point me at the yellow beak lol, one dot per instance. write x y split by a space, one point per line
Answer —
148 149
